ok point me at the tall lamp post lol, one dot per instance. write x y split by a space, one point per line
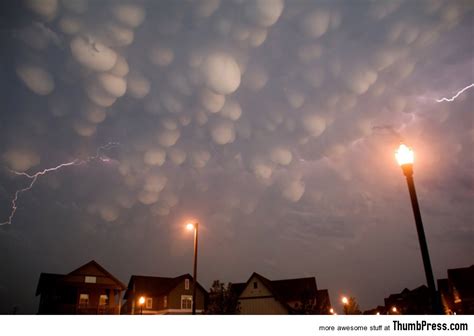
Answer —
405 158
195 227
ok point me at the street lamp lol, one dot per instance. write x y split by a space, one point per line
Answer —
405 158
141 301
195 227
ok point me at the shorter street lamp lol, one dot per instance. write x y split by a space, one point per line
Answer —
141 302
195 227
405 158
345 302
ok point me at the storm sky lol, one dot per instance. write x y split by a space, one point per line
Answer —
273 123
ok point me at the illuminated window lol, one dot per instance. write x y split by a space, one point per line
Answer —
83 299
165 301
186 302
149 303
90 279
186 284
103 300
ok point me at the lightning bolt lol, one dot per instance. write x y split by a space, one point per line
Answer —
456 95
34 177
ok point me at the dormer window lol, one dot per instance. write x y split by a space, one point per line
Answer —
186 284
255 285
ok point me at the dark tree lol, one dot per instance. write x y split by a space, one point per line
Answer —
222 299
310 305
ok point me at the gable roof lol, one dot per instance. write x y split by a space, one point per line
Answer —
155 286
51 280
93 263
285 290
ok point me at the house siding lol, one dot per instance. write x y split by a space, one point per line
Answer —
261 306
259 301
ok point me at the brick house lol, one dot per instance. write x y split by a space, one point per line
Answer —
90 289
457 291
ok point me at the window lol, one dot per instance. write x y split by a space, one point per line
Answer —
83 299
90 279
103 300
149 303
186 302
165 301
255 285
186 284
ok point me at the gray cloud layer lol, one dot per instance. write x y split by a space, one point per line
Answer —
273 123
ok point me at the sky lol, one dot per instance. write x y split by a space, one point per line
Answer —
272 123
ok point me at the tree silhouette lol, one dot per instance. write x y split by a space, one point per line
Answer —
222 300
352 307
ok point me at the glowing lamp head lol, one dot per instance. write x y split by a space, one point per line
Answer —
331 311
190 226
344 300
404 155
394 309
141 300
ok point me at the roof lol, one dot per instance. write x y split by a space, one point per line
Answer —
421 291
49 280
100 268
155 286
285 290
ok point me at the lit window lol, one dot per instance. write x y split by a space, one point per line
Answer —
255 285
83 299
186 302
90 279
186 284
165 301
103 300
149 303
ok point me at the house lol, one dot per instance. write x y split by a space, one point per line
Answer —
90 289
163 295
260 295
457 291
410 302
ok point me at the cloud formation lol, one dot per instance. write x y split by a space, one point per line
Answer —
262 118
